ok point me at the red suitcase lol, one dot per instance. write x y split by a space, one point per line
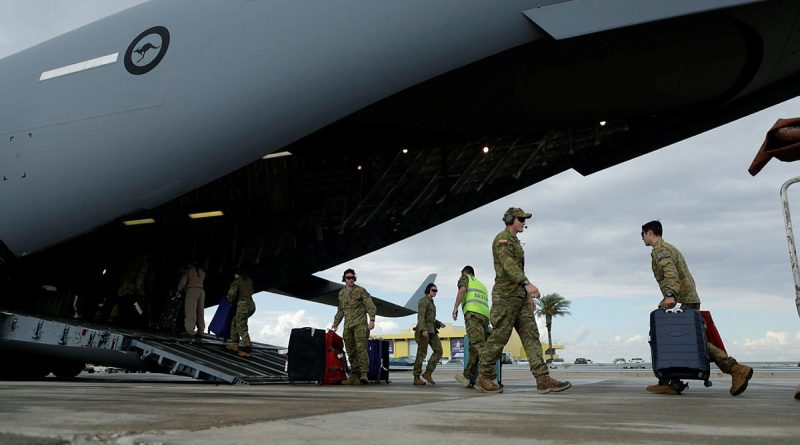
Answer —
335 361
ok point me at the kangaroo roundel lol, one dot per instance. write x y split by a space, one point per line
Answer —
147 50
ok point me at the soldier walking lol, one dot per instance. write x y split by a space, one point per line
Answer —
355 304
192 282
513 308
427 333
474 301
677 286
240 295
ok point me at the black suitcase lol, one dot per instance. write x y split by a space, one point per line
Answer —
378 351
306 360
678 345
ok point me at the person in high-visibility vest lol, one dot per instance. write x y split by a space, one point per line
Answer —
473 298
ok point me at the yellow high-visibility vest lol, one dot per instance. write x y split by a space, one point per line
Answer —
476 299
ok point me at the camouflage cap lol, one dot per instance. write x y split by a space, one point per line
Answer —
519 213
513 213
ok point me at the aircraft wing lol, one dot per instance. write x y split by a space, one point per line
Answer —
320 290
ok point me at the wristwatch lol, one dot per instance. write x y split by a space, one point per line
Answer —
526 282
669 294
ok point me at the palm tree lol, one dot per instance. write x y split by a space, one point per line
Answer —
550 306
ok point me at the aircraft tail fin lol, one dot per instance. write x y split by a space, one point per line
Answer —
413 302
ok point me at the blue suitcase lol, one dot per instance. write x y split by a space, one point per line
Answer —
678 345
378 351
498 367
221 323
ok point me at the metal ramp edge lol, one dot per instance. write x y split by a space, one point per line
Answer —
209 360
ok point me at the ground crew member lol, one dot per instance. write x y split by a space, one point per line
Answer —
474 301
513 307
677 286
240 295
192 282
355 304
427 333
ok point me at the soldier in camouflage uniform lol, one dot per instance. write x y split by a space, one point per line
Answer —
355 304
133 297
677 286
513 308
474 301
240 296
427 333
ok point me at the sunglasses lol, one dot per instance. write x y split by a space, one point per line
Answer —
520 219
433 291
350 277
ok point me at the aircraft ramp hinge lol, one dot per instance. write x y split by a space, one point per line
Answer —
38 333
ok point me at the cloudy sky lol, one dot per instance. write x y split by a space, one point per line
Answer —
584 240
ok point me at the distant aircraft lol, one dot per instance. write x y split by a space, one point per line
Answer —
289 137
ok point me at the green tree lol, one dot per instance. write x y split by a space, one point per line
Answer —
549 306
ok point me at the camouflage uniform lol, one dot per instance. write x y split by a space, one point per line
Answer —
135 287
354 305
477 327
426 321
511 308
240 294
673 276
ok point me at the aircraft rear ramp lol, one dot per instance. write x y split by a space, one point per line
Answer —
209 360
36 346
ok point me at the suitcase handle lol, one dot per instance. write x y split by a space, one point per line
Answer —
675 310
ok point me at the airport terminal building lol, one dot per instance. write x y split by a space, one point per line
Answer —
403 344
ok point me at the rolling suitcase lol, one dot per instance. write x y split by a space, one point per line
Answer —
678 345
221 323
306 361
498 367
335 361
378 351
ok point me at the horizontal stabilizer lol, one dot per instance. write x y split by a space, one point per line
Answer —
320 290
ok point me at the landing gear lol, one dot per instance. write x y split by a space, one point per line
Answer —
67 370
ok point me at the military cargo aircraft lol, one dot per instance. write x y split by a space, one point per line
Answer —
288 137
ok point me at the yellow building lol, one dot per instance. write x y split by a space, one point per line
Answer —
403 344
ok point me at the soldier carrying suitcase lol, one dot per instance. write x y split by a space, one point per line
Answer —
355 304
677 286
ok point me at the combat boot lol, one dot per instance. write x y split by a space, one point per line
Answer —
353 380
363 378
663 389
246 352
233 347
740 375
427 376
546 384
464 380
418 381
485 384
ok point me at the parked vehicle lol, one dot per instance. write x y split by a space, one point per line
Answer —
581 361
619 360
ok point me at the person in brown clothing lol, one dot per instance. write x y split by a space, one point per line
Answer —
192 282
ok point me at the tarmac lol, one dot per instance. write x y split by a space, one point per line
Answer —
600 408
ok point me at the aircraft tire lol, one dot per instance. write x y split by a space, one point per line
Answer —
67 370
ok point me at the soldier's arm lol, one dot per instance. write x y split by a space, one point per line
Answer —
339 313
671 283
509 263
233 291
141 277
462 290
182 282
369 304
